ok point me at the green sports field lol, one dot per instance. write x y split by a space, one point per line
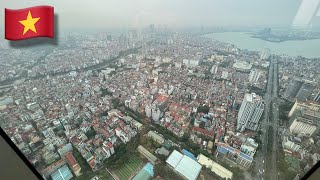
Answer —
125 171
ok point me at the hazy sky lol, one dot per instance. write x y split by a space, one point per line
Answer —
179 13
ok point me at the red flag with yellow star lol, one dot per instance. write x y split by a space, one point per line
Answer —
30 22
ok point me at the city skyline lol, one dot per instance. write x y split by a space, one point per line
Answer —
178 13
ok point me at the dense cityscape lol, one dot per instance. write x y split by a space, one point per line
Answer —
158 104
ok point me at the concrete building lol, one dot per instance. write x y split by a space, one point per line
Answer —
293 88
298 105
242 66
155 113
250 112
65 149
305 91
191 63
148 111
317 97
235 155
305 121
299 89
214 69
156 137
265 54
303 126
254 76
249 147
153 159
177 65
162 151
224 75
215 167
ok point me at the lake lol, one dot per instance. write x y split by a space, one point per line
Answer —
306 48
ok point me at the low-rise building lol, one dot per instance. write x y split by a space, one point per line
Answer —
153 159
73 164
156 137
215 167
233 154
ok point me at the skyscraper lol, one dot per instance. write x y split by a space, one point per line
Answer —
293 88
305 91
317 98
299 89
265 54
254 76
250 112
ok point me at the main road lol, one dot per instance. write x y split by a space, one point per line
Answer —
261 158
265 167
274 173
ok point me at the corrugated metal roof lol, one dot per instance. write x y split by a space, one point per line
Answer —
189 168
223 150
62 173
174 159
246 156
185 165
189 154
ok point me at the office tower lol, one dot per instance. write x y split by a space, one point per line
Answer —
299 89
265 54
109 37
305 91
148 111
293 88
250 112
254 76
155 113
214 69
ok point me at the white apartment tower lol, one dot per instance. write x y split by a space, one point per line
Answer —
214 69
148 111
250 112
156 114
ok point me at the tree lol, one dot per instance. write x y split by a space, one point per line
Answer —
184 138
91 133
202 124
159 169
116 103
204 109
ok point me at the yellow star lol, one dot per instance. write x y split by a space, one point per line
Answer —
29 23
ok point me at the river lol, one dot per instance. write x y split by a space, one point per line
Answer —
306 48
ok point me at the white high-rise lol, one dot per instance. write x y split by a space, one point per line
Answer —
148 111
250 112
155 113
254 76
265 54
214 69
